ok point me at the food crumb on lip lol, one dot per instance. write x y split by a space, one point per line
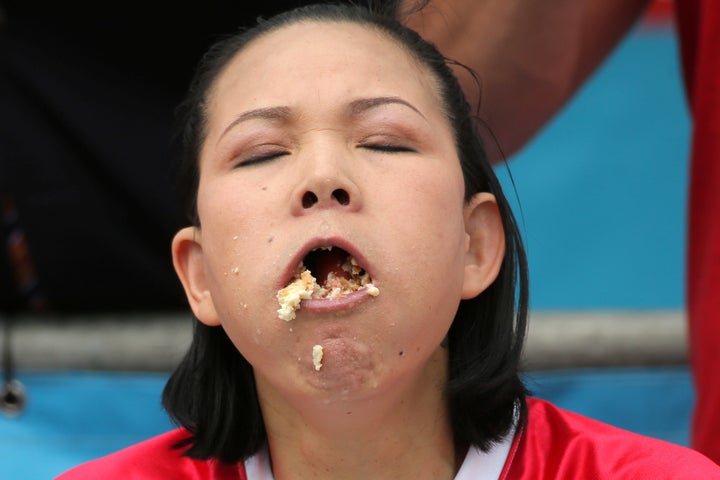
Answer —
317 356
291 296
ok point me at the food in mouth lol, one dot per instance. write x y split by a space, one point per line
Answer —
339 274
317 356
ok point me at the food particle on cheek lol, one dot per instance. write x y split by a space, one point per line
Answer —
291 296
317 356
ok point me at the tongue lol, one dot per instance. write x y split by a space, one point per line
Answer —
322 262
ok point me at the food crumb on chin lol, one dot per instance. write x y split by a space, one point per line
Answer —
317 356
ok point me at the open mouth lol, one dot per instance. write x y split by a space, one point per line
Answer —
325 273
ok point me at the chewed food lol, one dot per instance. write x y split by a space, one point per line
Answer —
290 297
339 273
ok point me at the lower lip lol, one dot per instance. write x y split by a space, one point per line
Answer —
323 305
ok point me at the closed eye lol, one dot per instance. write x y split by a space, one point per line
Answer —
260 159
387 148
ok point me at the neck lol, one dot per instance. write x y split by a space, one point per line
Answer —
403 433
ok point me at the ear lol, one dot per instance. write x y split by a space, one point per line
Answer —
485 247
189 265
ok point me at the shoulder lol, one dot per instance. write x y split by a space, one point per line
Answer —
154 458
560 444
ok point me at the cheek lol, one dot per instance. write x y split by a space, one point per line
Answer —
429 217
237 268
427 259
233 223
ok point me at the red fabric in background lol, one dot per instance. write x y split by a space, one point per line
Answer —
660 11
699 31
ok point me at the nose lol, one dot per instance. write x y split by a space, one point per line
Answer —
326 184
339 195
328 192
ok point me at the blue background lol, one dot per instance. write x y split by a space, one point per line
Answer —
603 187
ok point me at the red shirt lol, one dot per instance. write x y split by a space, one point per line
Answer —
555 445
558 445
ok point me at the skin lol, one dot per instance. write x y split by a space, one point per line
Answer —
531 56
311 109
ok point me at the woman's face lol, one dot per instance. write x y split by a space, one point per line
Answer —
330 135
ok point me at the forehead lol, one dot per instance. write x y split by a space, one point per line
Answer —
322 60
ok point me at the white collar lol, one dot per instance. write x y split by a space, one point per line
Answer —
479 465
258 466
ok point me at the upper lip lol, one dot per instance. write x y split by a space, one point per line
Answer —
315 243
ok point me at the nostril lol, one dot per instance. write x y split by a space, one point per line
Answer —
309 199
342 197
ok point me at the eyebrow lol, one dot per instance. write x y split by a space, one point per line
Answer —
356 107
362 105
268 113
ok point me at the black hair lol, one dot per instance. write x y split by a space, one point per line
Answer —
212 392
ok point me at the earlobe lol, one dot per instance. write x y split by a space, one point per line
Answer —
485 244
187 256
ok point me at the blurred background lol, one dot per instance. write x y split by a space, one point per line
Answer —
600 197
